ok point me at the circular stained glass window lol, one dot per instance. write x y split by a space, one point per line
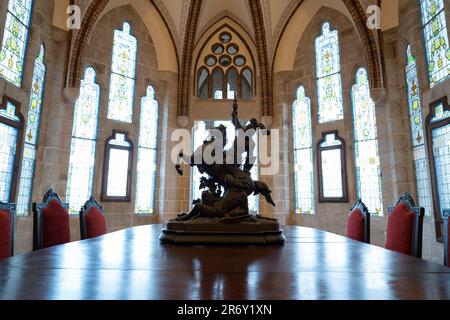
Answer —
225 61
225 37
239 61
217 48
232 49
210 60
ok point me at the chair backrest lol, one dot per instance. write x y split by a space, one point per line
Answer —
51 223
358 222
92 220
7 213
404 227
445 216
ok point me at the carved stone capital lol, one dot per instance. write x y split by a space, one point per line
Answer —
183 121
379 95
71 95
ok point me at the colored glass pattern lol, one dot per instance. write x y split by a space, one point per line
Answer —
328 72
147 154
31 136
123 73
8 148
15 36
417 132
436 40
84 139
367 160
303 153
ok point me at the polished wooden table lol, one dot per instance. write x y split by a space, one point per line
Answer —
133 264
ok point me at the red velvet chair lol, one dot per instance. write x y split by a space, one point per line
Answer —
51 223
92 220
404 227
446 215
358 223
7 212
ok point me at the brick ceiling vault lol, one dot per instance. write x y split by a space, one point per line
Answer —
184 85
79 48
263 57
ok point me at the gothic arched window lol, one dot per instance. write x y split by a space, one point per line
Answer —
436 40
31 135
328 73
123 75
303 153
147 154
367 160
83 146
417 132
15 37
224 71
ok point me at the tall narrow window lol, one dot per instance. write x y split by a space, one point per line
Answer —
203 84
246 79
232 83
11 123
147 153
417 132
15 39
438 136
436 40
83 145
331 162
117 168
328 71
123 75
303 153
31 136
218 84
367 160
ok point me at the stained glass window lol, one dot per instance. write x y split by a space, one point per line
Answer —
328 71
367 160
31 136
84 139
436 40
303 153
232 83
123 73
200 134
15 38
147 152
417 133
203 83
8 148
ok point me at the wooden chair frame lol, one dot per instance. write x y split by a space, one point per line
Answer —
91 203
418 222
11 208
366 214
49 196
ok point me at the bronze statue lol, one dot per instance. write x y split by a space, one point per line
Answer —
222 215
233 177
